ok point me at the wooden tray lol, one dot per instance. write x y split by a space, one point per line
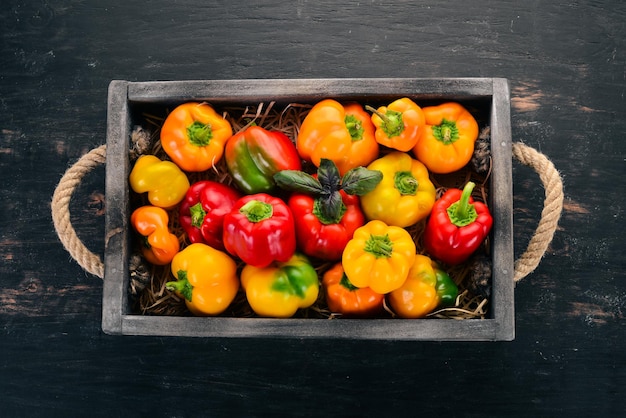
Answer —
127 100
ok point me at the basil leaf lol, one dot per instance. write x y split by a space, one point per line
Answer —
360 181
298 181
328 176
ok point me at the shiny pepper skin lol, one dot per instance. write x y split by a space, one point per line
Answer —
206 278
342 134
404 196
194 135
202 211
457 226
159 246
426 288
280 289
254 155
164 182
447 144
260 230
399 125
379 256
348 300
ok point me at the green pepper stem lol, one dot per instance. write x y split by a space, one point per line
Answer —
182 285
379 114
392 125
405 183
257 211
200 134
380 246
355 127
197 215
462 212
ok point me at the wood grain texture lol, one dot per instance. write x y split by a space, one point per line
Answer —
566 62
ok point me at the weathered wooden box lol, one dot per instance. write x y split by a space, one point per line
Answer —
127 99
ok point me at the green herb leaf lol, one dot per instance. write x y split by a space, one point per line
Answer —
298 181
328 176
360 181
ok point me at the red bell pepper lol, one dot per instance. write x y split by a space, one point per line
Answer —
260 230
322 239
203 209
255 154
457 226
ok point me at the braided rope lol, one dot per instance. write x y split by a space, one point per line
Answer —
524 265
61 211
552 207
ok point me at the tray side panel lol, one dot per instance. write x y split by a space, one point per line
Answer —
116 252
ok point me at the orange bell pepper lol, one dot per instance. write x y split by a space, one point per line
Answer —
159 246
447 144
345 298
342 134
426 288
193 136
399 125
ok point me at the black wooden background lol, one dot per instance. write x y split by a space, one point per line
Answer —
566 61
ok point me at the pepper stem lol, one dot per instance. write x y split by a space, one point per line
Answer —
197 215
200 134
392 125
405 183
345 282
447 132
355 127
462 212
380 246
182 285
257 211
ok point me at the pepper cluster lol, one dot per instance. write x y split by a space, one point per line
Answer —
268 229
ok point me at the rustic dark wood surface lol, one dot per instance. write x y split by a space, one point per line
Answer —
566 62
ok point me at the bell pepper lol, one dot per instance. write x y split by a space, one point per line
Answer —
399 125
206 278
325 206
202 211
164 182
404 196
342 134
379 256
259 230
322 240
254 155
426 288
346 299
280 289
447 144
193 136
159 245
457 226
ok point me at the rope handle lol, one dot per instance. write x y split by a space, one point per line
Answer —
524 265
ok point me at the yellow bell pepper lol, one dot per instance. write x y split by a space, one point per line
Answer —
447 144
159 245
164 182
206 278
193 136
426 288
404 196
379 256
279 290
